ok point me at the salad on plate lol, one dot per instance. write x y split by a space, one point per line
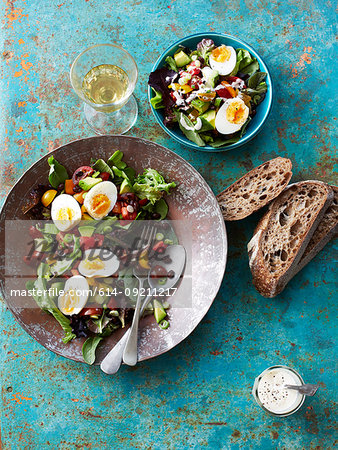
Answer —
211 93
84 250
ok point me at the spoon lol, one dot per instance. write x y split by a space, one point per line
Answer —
112 361
305 389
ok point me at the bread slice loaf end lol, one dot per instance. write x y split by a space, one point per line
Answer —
283 233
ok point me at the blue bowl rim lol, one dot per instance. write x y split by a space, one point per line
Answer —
247 137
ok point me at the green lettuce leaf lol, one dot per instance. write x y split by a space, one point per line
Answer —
57 173
256 79
151 185
47 304
157 100
246 64
89 348
187 128
171 64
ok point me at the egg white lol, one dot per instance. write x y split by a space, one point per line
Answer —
67 205
222 124
75 295
106 260
224 68
106 188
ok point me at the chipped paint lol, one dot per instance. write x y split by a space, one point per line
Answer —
305 58
14 15
19 398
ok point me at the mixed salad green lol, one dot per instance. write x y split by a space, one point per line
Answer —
96 209
211 93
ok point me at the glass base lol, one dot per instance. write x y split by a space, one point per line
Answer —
117 122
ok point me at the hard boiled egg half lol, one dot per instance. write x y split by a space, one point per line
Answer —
75 295
223 59
100 199
98 263
231 116
66 212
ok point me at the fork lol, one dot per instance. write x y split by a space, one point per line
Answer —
129 354
112 361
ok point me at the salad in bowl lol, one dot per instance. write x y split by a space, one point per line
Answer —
211 92
83 229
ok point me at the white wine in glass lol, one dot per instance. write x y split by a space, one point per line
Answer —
104 77
105 84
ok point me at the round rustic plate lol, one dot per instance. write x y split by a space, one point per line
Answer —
192 203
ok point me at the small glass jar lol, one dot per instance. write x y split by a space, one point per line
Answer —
272 397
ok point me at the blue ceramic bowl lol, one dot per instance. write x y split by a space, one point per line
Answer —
263 109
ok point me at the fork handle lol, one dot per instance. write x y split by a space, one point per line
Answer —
130 350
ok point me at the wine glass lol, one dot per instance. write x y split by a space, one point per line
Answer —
104 77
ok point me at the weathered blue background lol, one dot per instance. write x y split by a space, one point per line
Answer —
198 394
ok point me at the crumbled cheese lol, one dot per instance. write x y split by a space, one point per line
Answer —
130 209
191 97
238 84
179 99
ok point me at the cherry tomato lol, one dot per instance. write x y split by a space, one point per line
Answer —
117 208
48 197
159 272
223 92
143 202
234 79
91 311
81 173
105 176
159 245
99 238
126 215
195 81
95 241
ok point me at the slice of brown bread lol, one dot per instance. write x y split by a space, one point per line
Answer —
255 189
326 230
283 233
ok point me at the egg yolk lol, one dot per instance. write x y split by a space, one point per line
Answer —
65 214
69 301
93 264
221 54
100 204
236 112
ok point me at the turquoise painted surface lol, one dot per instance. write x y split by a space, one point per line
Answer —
197 395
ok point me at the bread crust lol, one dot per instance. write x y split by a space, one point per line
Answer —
317 243
269 284
255 189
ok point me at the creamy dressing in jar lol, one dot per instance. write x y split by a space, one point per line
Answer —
270 391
